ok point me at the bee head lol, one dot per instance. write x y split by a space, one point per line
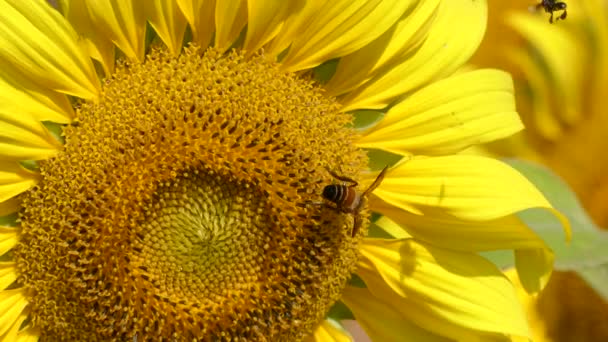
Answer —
330 192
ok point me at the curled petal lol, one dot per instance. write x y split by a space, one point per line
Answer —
448 116
51 55
458 295
443 52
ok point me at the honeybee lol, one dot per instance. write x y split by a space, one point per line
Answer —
347 199
551 6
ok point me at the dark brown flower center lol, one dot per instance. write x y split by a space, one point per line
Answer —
181 207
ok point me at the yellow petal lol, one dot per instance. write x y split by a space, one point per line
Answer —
443 52
20 95
40 44
329 331
533 258
434 226
265 21
201 17
454 294
534 267
123 22
564 62
230 18
8 239
448 116
392 228
12 304
24 138
8 274
29 334
97 44
381 321
169 23
14 179
389 49
10 206
468 187
13 333
341 27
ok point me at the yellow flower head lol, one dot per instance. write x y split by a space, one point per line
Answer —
169 178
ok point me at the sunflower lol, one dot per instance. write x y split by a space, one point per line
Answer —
164 163
561 77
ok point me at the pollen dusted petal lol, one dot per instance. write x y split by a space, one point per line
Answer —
341 27
124 22
389 49
38 42
8 274
230 18
96 43
12 304
427 285
22 137
183 205
392 325
265 20
448 116
37 101
201 17
464 186
168 21
445 49
329 331
8 239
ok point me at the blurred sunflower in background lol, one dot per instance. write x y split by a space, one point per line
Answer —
163 164
561 79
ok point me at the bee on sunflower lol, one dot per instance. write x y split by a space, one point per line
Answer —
161 160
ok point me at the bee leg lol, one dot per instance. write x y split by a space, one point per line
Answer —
356 225
564 15
551 18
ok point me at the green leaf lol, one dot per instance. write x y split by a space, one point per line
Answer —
587 253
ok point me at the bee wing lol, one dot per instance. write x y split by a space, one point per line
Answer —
376 182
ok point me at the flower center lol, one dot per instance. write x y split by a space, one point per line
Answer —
183 206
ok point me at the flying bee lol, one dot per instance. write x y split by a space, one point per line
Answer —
551 6
347 199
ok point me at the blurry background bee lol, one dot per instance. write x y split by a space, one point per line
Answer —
551 6
347 198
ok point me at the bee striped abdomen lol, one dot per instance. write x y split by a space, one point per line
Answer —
344 196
